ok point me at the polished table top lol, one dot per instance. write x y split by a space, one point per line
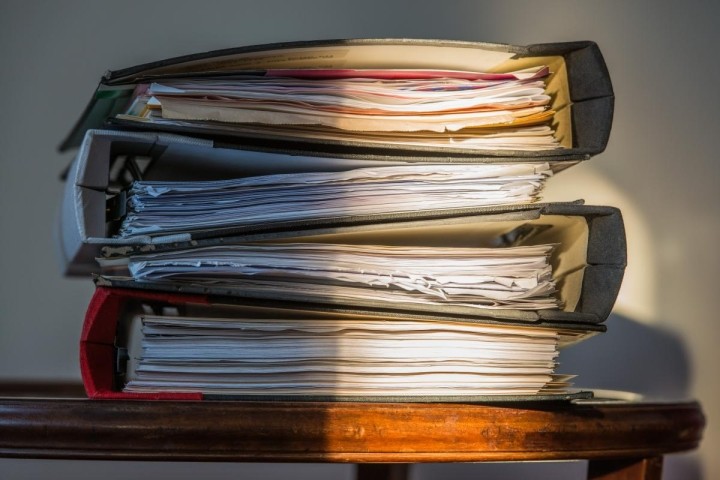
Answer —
55 421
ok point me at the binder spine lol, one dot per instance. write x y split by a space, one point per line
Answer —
97 344
606 258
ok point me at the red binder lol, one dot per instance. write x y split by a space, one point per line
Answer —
97 342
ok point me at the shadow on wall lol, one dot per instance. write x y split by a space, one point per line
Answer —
639 358
631 356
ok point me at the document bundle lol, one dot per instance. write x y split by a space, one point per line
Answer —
341 220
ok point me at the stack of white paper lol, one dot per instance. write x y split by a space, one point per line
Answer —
498 278
171 207
478 110
279 356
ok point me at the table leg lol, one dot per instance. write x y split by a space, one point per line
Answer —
382 471
631 469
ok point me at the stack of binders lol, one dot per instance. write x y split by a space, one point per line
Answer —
341 220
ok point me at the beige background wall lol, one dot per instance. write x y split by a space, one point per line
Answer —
661 167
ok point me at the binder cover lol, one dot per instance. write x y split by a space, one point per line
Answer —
101 366
580 86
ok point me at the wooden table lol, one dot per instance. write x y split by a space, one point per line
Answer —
621 440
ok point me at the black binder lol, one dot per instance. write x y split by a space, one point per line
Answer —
579 84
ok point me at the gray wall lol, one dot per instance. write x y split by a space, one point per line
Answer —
661 167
